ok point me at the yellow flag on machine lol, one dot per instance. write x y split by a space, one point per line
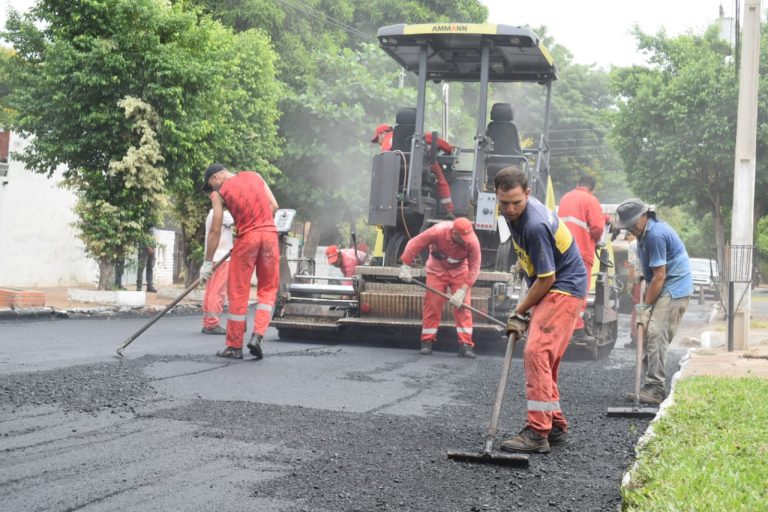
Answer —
550 194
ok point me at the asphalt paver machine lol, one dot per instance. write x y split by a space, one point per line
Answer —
403 196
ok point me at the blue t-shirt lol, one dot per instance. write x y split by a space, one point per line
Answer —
661 246
544 246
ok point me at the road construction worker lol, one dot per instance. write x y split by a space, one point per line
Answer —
383 137
667 271
216 287
250 201
345 259
453 264
582 213
557 281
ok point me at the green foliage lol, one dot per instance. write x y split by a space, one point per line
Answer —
761 236
579 122
214 94
676 125
708 452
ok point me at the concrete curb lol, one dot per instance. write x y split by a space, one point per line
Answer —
626 480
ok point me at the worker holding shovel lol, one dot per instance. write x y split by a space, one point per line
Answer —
557 283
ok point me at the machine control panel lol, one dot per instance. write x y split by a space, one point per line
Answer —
284 220
485 220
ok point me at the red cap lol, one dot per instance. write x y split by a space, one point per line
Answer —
332 254
463 227
382 128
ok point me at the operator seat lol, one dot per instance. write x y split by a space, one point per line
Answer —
503 132
405 126
506 141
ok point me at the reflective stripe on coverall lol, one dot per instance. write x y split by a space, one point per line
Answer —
549 333
215 292
257 249
581 212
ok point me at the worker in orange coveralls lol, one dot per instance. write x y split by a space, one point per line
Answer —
582 213
453 264
383 137
345 259
250 201
557 284
216 288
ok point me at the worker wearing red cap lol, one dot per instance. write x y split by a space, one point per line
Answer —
252 205
582 213
383 137
453 264
344 259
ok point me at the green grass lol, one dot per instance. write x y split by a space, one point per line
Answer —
710 452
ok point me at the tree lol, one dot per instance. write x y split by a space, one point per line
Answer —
579 122
676 123
214 93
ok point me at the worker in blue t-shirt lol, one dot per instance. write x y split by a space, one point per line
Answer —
666 268
549 256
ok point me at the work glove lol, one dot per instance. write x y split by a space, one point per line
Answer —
643 314
518 324
206 270
457 299
406 273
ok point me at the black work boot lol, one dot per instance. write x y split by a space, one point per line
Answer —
426 348
557 436
466 351
151 288
254 346
231 353
527 441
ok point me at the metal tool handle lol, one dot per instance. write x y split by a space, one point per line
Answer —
168 307
500 391
467 306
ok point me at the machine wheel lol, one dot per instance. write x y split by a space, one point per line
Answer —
502 257
393 250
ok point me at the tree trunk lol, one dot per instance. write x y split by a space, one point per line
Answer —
191 264
106 274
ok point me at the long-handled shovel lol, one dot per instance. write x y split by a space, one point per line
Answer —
636 411
167 308
487 455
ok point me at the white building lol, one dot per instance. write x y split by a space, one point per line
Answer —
38 243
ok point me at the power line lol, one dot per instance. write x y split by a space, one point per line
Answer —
324 17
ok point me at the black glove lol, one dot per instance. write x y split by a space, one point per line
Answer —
518 324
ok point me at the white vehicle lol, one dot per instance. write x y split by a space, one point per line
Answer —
705 275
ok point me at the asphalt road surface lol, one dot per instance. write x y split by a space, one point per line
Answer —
312 427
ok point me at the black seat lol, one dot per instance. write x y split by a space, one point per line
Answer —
503 132
405 126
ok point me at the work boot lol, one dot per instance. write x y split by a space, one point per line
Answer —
557 436
138 287
647 396
426 348
151 289
254 346
527 441
466 351
231 353
216 329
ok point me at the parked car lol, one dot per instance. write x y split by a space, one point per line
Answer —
705 275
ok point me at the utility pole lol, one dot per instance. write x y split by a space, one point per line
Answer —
744 172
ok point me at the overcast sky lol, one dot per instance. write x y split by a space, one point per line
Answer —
598 31
595 31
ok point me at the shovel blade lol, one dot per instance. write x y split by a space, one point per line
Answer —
632 412
502 459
